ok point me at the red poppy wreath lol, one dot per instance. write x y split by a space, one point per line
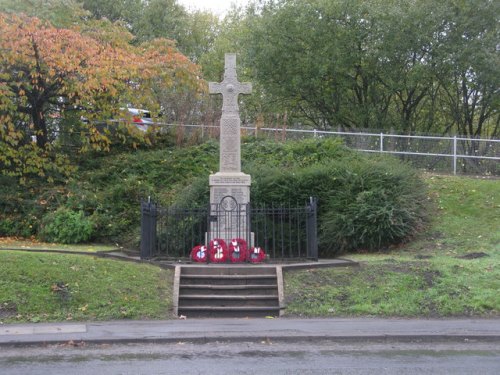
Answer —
218 251
256 255
199 254
237 250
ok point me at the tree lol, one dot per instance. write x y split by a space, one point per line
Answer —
399 65
469 67
127 11
60 13
45 72
161 19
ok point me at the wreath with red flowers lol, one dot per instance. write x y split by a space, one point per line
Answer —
237 250
256 255
199 254
218 251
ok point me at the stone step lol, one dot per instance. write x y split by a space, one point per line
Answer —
248 289
227 300
227 297
226 312
228 270
227 291
227 279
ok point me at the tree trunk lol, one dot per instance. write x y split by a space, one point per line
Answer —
40 126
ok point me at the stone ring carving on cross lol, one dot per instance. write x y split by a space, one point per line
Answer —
228 203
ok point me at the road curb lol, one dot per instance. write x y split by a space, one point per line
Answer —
438 338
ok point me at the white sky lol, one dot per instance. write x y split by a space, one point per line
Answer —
219 7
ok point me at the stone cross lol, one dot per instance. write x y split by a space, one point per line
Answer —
230 88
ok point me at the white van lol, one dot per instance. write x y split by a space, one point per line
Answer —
140 117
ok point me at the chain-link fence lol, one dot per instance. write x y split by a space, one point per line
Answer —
455 155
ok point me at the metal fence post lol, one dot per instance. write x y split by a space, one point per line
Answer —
455 155
381 142
148 229
312 230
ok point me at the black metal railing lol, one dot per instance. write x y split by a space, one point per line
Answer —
283 232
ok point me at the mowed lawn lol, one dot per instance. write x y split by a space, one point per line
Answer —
36 287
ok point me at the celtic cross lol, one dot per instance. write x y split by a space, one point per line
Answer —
230 88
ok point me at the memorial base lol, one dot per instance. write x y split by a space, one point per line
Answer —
229 202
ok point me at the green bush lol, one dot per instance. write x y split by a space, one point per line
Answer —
363 203
66 226
383 202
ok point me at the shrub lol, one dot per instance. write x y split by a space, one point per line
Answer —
384 202
66 226
301 153
364 203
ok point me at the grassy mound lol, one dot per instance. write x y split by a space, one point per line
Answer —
57 287
452 269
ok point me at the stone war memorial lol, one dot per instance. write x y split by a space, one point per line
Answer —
228 229
230 187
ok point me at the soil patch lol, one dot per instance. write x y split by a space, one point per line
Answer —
473 256
8 310
420 256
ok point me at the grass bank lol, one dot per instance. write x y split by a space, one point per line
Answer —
37 287
452 269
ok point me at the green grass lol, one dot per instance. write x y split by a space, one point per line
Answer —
38 287
468 217
435 275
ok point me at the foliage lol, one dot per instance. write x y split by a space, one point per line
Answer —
363 203
194 32
66 227
60 13
402 65
37 287
377 204
47 74
108 189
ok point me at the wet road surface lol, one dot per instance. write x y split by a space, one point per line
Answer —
260 357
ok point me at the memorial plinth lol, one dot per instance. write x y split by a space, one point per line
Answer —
230 188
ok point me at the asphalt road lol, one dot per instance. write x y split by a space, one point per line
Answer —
258 357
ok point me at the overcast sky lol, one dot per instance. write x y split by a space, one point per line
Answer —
219 7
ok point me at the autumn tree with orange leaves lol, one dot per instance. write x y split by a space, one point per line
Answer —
47 73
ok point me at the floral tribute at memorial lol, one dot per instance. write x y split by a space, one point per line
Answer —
237 250
199 254
219 252
256 255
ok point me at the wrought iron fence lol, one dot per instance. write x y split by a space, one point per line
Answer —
283 232
457 155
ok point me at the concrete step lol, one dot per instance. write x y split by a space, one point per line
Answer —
227 279
227 300
228 269
229 312
248 289
227 291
